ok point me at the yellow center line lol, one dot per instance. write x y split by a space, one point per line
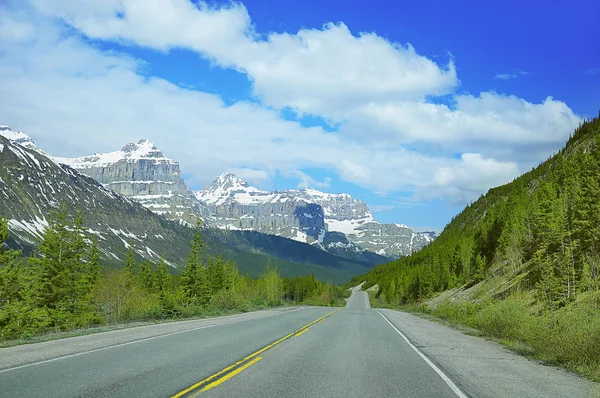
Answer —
304 331
241 361
230 375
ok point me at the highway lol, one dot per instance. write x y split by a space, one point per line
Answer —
293 352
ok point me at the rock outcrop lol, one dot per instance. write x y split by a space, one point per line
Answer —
141 171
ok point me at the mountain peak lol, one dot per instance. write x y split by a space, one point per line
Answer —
226 187
132 152
143 148
227 180
17 137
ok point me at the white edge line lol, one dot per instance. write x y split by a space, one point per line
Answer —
446 379
105 348
138 341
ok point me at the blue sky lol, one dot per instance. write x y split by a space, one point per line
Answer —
414 107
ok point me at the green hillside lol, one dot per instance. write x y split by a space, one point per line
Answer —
521 264
540 232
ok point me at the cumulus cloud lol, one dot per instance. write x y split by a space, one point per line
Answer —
75 99
503 126
315 71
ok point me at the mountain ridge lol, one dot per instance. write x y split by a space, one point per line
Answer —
337 223
231 199
32 186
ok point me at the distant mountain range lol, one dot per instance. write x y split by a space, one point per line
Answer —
336 223
139 173
332 222
33 184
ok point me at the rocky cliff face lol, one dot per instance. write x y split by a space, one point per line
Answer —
233 204
334 222
33 185
141 172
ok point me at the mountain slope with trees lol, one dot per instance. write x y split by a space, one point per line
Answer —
62 287
521 263
33 185
540 232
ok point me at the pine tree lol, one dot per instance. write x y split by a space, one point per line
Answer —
162 277
194 280
67 270
11 273
145 277
130 263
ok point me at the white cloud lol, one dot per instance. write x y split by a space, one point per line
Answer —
502 126
253 176
511 75
315 71
307 181
15 30
75 99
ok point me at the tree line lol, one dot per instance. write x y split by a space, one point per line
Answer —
62 285
543 226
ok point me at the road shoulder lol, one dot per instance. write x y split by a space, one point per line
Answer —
485 369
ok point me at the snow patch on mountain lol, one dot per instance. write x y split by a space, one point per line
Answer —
130 153
228 188
232 203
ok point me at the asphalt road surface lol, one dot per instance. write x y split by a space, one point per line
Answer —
294 352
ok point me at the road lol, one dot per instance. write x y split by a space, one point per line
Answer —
295 352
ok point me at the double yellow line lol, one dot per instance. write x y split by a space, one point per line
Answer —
245 363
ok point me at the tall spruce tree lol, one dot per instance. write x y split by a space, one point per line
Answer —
67 269
194 281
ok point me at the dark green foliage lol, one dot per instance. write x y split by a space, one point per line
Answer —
545 226
55 289
63 288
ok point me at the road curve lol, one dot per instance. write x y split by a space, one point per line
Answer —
302 352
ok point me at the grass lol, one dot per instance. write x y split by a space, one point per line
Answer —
568 337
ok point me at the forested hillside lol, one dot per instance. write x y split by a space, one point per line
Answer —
521 264
540 232
61 285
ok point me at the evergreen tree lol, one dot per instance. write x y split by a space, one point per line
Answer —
11 273
194 280
145 277
162 277
130 264
67 270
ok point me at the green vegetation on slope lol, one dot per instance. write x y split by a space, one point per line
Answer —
62 286
523 260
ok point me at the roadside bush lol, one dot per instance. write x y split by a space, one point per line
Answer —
140 306
455 312
504 319
258 303
227 300
18 319
570 336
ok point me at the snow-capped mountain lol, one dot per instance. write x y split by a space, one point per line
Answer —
33 185
141 172
337 221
